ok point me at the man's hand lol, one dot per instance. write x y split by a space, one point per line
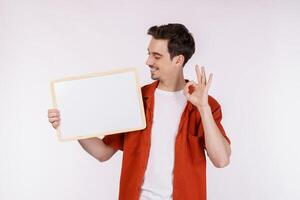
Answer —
54 117
94 146
199 94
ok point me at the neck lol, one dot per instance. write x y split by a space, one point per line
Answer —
175 84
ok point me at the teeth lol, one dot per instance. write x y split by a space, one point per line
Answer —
153 69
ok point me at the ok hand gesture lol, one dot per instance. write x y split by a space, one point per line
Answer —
199 94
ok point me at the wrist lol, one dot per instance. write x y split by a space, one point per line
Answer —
204 108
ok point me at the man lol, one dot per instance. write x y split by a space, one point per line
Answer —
166 160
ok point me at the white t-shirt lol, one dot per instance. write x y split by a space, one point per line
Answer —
158 179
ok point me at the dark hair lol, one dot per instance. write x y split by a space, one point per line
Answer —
180 40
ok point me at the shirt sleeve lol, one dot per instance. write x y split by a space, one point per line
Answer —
116 141
217 115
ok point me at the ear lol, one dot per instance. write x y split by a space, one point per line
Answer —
179 60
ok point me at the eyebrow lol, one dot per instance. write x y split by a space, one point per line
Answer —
155 53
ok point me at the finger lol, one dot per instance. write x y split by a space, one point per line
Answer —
194 83
53 115
198 72
54 119
53 110
209 80
203 75
55 125
186 90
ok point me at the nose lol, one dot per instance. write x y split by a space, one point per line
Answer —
149 61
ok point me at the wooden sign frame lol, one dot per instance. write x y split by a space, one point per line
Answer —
117 86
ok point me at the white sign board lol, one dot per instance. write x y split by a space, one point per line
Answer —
98 104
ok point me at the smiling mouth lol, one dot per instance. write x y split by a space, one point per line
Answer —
153 69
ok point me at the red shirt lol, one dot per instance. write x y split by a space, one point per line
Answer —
189 180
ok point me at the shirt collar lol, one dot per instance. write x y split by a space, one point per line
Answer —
149 95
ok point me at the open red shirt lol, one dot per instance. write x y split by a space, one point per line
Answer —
189 180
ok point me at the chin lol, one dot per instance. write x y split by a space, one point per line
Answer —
154 78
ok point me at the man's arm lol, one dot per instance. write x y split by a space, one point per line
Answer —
97 148
94 146
217 147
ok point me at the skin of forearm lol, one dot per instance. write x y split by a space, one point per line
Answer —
217 147
95 147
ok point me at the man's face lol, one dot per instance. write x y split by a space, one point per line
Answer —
159 61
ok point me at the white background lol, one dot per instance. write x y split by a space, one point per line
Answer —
252 47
